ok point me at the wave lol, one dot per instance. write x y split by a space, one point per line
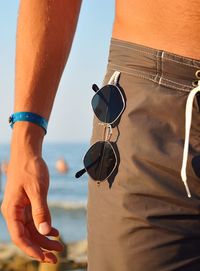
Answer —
76 205
82 205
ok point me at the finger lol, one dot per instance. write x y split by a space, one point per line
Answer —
40 212
29 219
15 224
42 240
53 232
49 257
17 233
20 239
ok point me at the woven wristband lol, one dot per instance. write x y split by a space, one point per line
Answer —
28 116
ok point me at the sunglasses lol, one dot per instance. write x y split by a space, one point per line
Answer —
108 104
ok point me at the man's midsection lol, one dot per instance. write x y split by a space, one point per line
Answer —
171 26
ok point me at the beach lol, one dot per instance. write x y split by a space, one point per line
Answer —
67 197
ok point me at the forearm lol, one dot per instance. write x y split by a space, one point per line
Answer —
44 36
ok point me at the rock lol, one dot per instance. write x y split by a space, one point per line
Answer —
20 263
77 251
73 257
7 251
13 259
50 267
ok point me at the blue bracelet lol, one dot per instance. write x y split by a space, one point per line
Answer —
28 116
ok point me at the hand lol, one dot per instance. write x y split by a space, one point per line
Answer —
25 207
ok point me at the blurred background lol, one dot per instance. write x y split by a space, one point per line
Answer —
70 125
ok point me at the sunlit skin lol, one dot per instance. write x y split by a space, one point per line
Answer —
44 37
168 25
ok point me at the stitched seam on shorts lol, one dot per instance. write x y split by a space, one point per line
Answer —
153 80
132 69
172 86
144 52
182 63
136 74
148 74
169 59
177 83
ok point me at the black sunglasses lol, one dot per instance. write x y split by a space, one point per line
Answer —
101 160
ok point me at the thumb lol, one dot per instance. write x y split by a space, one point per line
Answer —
40 214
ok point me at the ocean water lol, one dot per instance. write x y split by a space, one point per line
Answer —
67 197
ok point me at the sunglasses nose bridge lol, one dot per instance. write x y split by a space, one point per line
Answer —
107 133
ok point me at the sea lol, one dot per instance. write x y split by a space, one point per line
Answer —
67 197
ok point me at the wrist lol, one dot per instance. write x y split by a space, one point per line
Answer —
27 138
28 117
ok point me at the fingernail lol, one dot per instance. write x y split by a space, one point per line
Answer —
44 228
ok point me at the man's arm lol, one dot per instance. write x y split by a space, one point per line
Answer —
44 38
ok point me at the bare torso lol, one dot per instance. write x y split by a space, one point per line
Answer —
172 26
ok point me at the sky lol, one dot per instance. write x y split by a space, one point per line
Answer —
71 117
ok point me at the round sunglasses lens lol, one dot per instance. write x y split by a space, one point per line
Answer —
100 160
108 103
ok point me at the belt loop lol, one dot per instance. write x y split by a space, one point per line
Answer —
161 68
114 78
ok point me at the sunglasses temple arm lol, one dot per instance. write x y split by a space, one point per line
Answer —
95 87
80 173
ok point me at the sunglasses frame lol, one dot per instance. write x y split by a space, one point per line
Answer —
107 125
116 161
122 101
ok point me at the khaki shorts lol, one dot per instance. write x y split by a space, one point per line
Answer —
141 219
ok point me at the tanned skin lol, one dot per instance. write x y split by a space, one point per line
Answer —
167 25
44 37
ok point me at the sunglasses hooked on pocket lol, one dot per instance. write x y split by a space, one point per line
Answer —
108 104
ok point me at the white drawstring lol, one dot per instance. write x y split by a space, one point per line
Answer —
188 119
114 78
